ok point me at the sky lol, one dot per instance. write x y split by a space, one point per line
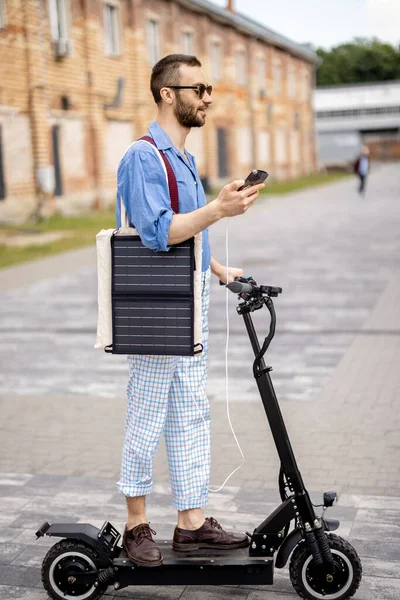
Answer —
325 23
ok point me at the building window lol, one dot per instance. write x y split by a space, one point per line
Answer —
261 83
277 74
111 29
3 192
241 68
296 121
216 60
270 112
291 82
280 146
187 42
306 86
153 42
3 17
58 20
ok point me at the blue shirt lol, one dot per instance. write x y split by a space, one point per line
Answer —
142 184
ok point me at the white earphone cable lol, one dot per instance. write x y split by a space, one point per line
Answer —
214 490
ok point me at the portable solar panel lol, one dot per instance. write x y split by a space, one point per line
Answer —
152 298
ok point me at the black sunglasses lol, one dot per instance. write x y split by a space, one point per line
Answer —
201 89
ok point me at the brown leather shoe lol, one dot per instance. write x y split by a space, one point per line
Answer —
140 547
209 535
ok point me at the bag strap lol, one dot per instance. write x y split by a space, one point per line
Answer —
172 183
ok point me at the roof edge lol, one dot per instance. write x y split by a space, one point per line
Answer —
250 27
338 86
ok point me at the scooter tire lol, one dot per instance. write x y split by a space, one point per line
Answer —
308 581
59 557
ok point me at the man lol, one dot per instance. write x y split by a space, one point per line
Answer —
361 167
167 393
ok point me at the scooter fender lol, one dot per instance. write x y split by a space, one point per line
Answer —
294 537
287 546
83 532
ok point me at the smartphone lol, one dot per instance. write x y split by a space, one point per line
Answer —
255 177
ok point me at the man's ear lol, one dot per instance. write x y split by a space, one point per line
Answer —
167 95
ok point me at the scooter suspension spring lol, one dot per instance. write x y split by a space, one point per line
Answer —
106 575
323 544
314 549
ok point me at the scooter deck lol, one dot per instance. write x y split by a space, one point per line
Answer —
200 567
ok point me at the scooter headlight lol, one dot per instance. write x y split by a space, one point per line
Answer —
330 498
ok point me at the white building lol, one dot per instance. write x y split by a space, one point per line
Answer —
348 116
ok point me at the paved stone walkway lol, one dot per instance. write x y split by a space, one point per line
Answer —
335 360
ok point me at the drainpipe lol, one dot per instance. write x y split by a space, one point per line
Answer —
91 115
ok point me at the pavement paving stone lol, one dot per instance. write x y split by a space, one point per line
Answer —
9 551
19 575
8 592
335 359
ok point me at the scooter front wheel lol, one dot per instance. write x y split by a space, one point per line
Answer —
313 583
63 562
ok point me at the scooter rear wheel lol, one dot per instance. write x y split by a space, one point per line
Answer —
312 582
60 565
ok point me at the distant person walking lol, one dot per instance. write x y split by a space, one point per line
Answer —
361 168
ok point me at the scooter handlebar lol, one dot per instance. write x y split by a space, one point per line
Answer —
239 287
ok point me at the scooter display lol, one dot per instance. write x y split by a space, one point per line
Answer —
322 564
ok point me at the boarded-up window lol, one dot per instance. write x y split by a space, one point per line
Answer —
294 147
18 160
264 152
280 146
244 146
2 178
195 145
73 149
118 138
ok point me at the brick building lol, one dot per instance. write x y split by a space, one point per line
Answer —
74 93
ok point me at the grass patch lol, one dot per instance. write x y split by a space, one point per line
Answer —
302 183
80 231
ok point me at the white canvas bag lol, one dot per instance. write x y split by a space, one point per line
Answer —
104 336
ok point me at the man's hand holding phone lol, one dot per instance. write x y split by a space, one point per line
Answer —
237 197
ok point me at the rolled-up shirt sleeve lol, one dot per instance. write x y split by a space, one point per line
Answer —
144 190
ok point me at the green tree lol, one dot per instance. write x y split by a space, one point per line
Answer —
361 60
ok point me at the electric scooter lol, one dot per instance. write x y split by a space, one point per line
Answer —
322 565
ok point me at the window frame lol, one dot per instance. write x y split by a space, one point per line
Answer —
216 65
261 74
3 185
291 82
113 10
59 18
240 63
3 15
277 81
154 51
187 34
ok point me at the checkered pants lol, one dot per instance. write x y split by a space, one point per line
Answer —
160 400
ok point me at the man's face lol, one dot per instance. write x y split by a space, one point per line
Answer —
189 109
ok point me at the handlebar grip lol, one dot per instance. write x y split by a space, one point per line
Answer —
238 287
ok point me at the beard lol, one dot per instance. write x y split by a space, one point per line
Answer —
187 116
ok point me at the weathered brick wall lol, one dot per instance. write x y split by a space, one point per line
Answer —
35 87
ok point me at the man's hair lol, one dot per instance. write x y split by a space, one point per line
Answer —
166 72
